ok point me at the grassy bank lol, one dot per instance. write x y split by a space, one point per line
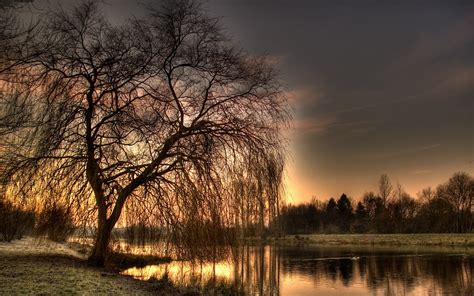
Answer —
458 240
47 268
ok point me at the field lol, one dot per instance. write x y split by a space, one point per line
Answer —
455 240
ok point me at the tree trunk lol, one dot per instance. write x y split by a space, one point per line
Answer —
99 252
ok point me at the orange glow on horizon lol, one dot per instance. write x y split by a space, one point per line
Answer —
301 188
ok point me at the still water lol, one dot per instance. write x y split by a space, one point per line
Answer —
329 270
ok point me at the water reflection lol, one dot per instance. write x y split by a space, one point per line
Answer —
273 270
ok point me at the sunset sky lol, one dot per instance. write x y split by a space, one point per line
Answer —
375 87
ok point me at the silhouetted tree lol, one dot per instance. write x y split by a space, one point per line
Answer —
426 195
385 188
161 111
345 212
435 216
298 219
375 208
361 219
13 33
331 216
459 193
402 212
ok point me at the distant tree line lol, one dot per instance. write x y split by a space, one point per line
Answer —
448 208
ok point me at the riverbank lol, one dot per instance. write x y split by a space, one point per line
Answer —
455 239
35 267
29 266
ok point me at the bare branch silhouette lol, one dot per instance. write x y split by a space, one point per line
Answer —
161 111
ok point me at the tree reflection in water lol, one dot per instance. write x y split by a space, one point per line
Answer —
273 270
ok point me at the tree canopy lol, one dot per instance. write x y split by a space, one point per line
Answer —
162 111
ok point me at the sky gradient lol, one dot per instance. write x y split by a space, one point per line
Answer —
375 87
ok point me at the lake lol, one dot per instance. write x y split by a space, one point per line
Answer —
329 270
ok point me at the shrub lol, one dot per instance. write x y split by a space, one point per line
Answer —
55 222
14 221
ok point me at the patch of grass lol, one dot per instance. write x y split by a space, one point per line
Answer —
465 240
462 240
47 268
59 275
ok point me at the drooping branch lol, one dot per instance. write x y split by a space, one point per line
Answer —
163 112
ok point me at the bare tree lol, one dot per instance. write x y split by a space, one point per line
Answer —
8 27
161 111
385 188
459 193
12 109
426 195
256 193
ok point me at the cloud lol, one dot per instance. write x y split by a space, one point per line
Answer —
357 108
408 151
432 58
318 125
304 96
428 147
454 81
324 124
432 45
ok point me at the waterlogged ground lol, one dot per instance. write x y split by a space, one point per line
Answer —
330 270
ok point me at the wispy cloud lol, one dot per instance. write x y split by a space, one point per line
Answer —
375 105
431 45
428 147
356 108
408 151
330 123
455 80
305 96
314 125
